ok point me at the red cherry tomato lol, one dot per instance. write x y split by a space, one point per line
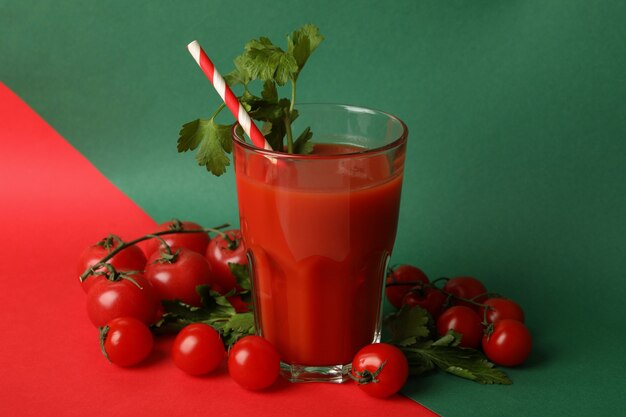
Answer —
253 363
428 298
108 299
509 344
126 341
403 273
196 242
198 349
380 369
222 250
177 279
466 287
502 308
462 320
129 259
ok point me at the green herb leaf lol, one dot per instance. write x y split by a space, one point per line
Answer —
269 112
451 338
214 302
302 145
242 275
274 133
465 363
270 92
407 326
236 327
212 140
239 75
265 61
302 43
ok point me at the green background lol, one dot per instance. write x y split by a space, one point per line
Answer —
517 149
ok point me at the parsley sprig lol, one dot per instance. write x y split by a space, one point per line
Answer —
262 62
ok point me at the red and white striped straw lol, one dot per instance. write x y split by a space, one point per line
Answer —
227 95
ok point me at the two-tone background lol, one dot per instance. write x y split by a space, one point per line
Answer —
516 170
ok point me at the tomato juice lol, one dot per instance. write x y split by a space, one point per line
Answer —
319 252
320 229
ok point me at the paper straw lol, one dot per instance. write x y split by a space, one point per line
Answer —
227 95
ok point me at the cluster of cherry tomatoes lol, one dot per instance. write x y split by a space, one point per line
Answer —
125 283
124 298
484 320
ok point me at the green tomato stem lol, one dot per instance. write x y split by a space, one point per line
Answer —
447 294
125 245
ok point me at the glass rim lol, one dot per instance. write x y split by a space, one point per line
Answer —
399 141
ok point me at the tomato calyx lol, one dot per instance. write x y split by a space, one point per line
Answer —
109 272
489 328
232 242
176 225
366 376
167 257
110 242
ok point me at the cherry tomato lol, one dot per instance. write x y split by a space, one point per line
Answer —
196 242
502 308
126 341
403 273
222 250
430 299
466 287
178 278
253 363
380 369
129 259
462 320
119 296
509 344
198 349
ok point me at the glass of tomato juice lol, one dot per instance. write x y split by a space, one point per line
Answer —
320 229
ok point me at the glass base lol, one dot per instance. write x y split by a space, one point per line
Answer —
299 373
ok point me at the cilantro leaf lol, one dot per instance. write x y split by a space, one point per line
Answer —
446 355
216 311
407 326
302 145
239 75
302 43
270 92
214 301
265 61
242 275
274 132
212 140
451 338
269 112
236 327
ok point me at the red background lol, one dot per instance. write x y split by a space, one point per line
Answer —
53 203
